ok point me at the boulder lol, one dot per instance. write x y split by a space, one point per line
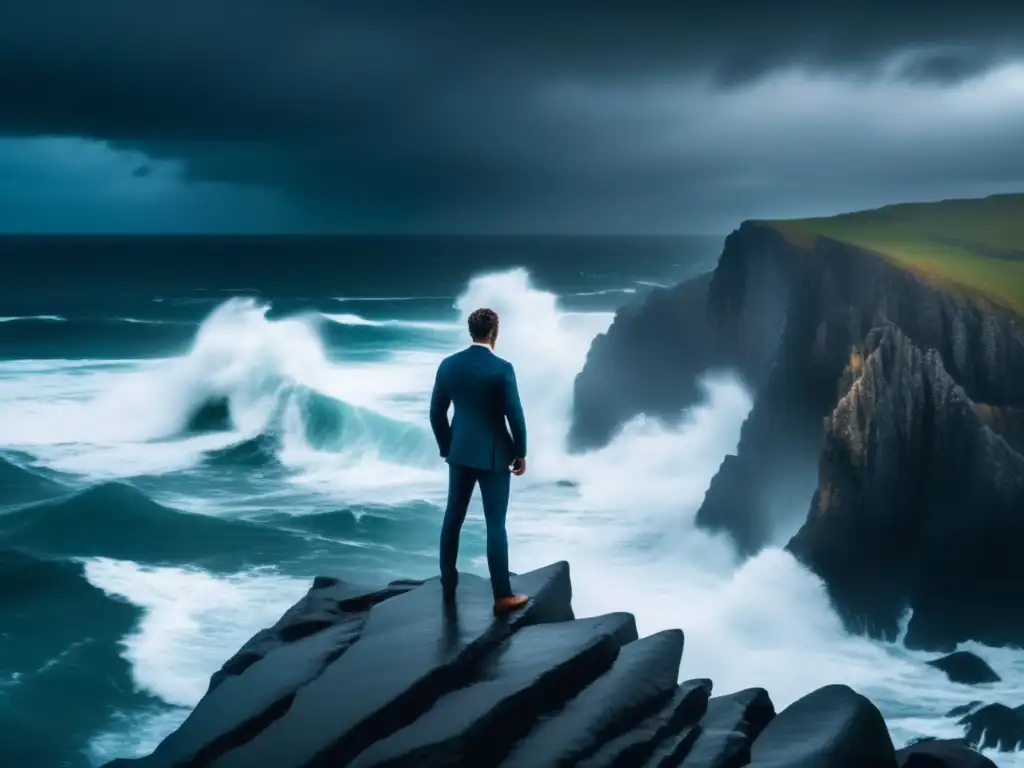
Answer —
832 727
941 753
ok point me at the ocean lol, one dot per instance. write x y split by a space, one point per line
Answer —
193 428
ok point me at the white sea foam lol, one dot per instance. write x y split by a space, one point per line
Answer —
359 320
46 318
387 298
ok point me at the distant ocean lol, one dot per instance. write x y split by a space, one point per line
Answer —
192 428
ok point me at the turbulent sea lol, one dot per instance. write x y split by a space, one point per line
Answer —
191 429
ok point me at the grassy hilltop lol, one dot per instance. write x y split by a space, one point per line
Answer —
973 246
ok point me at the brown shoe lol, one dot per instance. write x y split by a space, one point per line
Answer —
508 604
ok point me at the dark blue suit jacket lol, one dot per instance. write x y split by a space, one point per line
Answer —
484 390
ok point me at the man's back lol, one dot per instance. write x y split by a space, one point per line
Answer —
483 388
480 450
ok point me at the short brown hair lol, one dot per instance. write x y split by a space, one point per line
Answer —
483 324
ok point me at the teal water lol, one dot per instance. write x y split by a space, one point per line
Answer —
192 430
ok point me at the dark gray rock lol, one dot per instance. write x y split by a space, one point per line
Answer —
965 709
724 735
244 705
328 601
687 705
640 682
410 653
941 753
532 674
965 667
919 505
994 726
647 362
832 727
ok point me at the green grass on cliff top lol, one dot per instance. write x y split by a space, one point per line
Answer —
972 246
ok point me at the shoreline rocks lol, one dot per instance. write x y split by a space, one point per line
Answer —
391 676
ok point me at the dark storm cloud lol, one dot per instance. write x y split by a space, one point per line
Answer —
492 114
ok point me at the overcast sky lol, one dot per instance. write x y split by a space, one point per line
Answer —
528 116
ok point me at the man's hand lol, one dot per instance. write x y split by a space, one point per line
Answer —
518 467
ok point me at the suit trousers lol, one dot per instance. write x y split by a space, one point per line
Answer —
494 489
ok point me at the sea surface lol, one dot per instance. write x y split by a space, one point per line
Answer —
193 428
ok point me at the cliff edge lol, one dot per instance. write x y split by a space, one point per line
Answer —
795 308
390 676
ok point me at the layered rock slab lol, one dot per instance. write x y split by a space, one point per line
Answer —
641 681
687 705
410 653
724 736
534 670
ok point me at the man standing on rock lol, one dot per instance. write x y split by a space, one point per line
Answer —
479 448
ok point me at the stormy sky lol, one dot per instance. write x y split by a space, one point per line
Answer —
522 117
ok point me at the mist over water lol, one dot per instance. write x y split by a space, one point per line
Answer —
351 465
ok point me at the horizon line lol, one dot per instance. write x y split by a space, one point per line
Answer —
353 235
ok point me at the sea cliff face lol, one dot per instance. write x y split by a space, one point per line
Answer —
800 321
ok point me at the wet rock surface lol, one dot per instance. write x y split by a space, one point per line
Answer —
833 727
919 504
941 753
965 667
392 676
995 726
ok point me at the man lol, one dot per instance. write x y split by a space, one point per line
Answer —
479 449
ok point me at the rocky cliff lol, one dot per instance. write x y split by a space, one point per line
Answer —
355 676
797 318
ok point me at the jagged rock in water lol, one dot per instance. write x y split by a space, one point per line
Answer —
965 667
392 676
919 504
941 753
994 726
833 727
647 362
965 709
764 487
